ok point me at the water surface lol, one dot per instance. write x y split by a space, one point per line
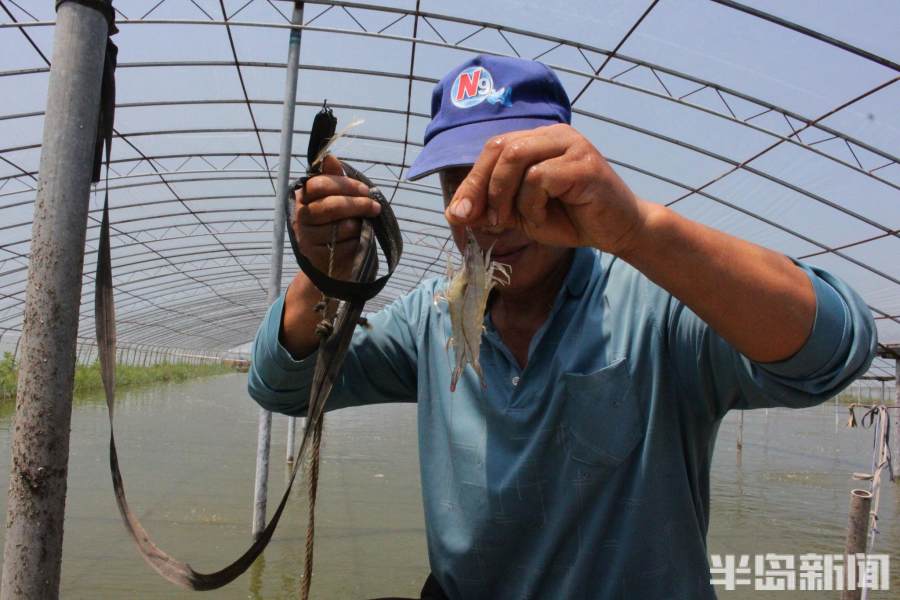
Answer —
187 455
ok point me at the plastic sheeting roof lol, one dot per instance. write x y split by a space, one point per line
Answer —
777 122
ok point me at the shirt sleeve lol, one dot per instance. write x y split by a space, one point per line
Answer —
380 365
716 377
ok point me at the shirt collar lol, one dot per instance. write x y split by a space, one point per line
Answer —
580 271
576 280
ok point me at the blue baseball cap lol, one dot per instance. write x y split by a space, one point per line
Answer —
483 97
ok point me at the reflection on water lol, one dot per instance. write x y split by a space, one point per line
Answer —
187 454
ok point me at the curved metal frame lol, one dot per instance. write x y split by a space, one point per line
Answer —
219 267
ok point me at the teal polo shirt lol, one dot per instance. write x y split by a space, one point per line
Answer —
584 475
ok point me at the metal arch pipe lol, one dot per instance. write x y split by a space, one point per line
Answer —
713 155
192 330
157 157
190 323
181 288
188 327
493 26
249 317
825 248
778 137
501 28
816 35
414 260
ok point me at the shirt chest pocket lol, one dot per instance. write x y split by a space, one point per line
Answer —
601 418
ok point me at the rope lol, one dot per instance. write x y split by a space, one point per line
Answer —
324 329
326 326
312 488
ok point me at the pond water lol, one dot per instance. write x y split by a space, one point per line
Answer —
187 455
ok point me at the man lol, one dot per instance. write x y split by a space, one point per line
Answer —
625 335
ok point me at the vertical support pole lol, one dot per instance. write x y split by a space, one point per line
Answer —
16 349
740 436
895 421
857 536
40 444
264 432
291 440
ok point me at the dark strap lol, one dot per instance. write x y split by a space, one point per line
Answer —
330 358
385 226
103 6
387 232
107 115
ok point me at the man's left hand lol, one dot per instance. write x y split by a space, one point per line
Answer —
554 184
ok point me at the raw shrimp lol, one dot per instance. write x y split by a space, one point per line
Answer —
467 294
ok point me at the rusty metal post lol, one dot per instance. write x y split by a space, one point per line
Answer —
857 537
40 444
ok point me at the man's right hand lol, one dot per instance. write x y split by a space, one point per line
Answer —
330 200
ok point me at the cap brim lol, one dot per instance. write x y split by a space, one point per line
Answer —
461 145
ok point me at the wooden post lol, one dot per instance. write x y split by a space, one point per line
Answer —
857 537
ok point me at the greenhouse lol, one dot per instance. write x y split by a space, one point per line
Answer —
776 123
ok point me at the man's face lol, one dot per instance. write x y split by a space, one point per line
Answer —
532 263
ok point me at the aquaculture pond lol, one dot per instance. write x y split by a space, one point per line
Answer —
187 452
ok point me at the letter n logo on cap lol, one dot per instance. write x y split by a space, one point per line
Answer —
472 86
